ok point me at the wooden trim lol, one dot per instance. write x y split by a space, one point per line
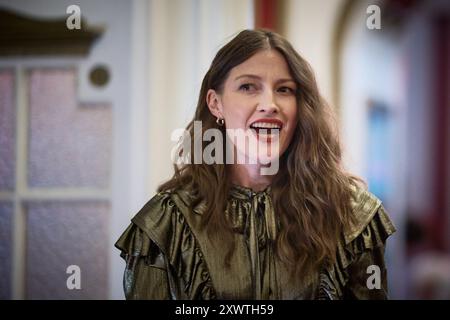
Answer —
341 26
23 35
266 14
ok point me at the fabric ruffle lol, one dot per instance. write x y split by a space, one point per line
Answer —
160 235
370 233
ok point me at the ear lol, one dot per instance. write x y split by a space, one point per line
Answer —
214 104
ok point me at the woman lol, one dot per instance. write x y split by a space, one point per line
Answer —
306 230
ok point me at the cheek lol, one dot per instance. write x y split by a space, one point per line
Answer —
236 113
234 117
291 115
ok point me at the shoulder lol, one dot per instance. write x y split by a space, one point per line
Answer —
167 213
162 222
161 217
148 226
369 214
362 245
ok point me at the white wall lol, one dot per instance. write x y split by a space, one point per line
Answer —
310 27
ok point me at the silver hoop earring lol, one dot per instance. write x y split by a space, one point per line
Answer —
220 122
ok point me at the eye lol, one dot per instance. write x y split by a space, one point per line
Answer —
247 87
286 90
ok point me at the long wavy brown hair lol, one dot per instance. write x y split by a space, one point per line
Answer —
311 193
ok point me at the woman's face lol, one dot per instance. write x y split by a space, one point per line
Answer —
259 97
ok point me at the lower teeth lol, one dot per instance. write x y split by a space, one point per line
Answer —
267 132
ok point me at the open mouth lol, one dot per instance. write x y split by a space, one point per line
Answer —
266 128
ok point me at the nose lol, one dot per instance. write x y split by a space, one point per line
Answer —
267 103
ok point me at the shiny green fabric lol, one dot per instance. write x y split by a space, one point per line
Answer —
169 256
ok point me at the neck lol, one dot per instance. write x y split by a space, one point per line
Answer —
249 176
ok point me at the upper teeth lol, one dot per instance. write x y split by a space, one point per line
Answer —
266 125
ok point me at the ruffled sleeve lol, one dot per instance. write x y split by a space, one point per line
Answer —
359 271
163 259
145 275
367 273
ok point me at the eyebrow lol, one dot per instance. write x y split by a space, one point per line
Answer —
253 76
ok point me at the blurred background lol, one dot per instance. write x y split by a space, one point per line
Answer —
87 111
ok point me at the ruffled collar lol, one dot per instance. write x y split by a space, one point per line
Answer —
246 204
245 193
252 212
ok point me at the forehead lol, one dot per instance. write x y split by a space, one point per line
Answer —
263 63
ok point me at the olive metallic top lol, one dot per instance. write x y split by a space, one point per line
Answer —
169 256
